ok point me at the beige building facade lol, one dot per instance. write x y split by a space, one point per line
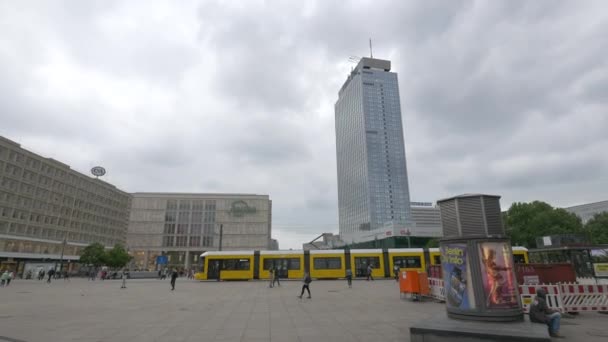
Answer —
47 209
173 229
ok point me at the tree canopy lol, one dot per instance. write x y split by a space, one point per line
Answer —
432 243
527 221
95 254
117 256
597 228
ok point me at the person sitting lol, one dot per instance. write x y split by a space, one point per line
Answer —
540 313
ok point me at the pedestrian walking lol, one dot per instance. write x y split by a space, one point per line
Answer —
11 275
369 272
276 277
124 278
173 278
50 274
41 275
349 278
4 279
271 276
396 272
307 280
66 276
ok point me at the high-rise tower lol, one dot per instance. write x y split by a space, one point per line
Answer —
373 190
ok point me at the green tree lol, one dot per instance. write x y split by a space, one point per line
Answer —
432 243
597 228
527 221
117 257
93 254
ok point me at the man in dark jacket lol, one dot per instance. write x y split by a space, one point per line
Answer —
307 280
540 313
174 275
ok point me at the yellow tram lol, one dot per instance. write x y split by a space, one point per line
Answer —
322 264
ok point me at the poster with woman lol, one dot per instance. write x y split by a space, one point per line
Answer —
497 275
454 265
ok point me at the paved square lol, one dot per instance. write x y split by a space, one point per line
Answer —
147 310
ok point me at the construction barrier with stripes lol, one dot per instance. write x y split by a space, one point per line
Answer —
563 297
437 290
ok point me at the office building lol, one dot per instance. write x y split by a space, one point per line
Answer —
427 220
373 191
587 211
48 210
173 229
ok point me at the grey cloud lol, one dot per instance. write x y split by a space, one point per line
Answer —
238 97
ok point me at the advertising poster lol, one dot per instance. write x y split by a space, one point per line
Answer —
454 265
497 275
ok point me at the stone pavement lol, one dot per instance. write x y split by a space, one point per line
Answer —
227 311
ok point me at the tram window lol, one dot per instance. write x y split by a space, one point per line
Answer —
294 264
202 263
268 263
407 261
362 262
519 259
327 263
235 264
437 259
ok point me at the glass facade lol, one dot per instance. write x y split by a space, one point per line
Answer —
373 185
183 226
192 225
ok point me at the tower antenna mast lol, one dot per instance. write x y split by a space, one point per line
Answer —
371 55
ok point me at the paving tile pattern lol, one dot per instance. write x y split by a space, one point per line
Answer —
147 310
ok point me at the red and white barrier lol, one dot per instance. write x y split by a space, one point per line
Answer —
528 292
437 289
576 298
564 297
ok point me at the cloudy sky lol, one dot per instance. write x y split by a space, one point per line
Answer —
505 97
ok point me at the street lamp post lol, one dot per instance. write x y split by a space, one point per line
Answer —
221 236
61 258
407 235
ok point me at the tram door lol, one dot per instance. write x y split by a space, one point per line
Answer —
281 267
361 264
214 269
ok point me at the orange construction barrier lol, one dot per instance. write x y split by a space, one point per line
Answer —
414 283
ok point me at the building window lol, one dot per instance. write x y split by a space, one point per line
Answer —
169 228
171 204
182 228
195 229
195 241
168 241
184 217
180 241
184 205
170 217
